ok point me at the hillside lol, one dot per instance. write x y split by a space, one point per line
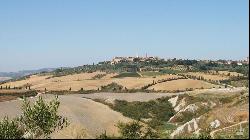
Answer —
175 101
87 81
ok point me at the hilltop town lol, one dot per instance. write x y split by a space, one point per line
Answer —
117 60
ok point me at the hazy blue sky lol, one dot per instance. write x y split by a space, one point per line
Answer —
53 33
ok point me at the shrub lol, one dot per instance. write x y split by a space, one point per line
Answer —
9 129
41 119
159 110
131 130
134 130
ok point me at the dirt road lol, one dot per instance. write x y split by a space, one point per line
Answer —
128 96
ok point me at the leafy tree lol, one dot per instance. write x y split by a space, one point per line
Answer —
41 119
9 129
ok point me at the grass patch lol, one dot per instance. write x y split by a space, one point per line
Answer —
127 74
151 73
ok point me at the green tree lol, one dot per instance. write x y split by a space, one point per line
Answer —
41 119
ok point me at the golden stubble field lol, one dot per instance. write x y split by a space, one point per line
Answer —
182 84
86 81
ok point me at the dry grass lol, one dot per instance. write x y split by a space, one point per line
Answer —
182 84
73 131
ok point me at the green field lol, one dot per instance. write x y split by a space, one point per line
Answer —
127 74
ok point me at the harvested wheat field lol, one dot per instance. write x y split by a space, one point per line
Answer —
85 81
182 84
208 76
88 84
33 80
137 83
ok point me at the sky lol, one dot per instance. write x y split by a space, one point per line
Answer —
60 33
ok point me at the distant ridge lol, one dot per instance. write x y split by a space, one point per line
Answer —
24 72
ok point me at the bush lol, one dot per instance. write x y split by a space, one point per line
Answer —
158 111
131 130
41 119
134 130
9 129
112 87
